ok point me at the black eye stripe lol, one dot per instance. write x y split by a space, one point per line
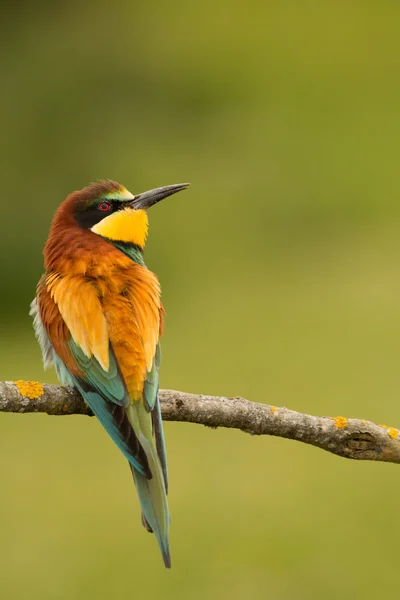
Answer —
115 204
92 214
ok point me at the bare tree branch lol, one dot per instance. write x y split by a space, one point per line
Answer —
350 438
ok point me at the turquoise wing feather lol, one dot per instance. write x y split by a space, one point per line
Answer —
107 396
103 391
108 383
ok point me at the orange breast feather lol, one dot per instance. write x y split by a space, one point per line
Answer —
112 300
133 311
55 326
78 302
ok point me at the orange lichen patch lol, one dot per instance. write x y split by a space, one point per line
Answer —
340 422
393 433
364 422
273 409
30 389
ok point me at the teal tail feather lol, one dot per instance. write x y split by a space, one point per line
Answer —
152 492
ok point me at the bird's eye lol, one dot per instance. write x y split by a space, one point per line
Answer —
104 206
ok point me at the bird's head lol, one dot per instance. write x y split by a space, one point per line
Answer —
108 209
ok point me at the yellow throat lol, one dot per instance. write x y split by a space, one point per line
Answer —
127 225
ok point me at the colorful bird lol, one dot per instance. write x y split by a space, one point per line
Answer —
98 318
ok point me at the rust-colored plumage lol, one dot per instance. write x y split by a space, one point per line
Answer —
99 295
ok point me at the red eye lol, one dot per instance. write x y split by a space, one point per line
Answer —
104 206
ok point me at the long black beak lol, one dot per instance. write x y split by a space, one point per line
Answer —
151 197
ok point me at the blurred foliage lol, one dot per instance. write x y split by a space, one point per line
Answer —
280 275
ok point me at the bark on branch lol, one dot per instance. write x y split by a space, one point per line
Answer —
350 438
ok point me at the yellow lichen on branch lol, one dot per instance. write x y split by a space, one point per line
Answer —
349 438
340 422
393 433
30 389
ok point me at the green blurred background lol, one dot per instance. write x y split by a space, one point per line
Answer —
280 275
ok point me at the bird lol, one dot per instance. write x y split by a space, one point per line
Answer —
98 318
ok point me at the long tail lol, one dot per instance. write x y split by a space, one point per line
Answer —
151 492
